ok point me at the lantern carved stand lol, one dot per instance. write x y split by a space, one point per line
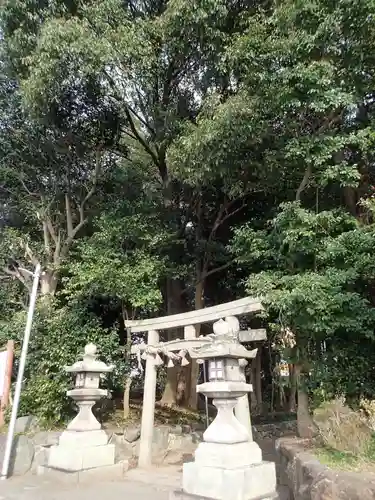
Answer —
228 463
84 444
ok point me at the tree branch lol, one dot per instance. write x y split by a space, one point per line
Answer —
139 138
30 193
206 274
230 214
69 216
46 236
51 229
72 231
142 108
217 269
91 192
224 215
142 120
303 183
56 254
28 252
128 111
16 274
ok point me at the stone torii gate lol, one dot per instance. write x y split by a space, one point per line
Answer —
177 350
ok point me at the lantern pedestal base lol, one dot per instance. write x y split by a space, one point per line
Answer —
253 482
228 472
226 456
83 450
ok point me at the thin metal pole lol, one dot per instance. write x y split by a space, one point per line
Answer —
21 369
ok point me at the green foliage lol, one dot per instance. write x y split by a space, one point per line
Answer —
120 261
313 273
296 101
138 137
58 339
346 369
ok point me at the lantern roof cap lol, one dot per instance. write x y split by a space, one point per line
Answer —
89 363
224 342
223 350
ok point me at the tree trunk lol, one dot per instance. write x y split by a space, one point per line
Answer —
174 306
350 200
182 385
48 283
194 367
169 397
305 424
293 388
282 397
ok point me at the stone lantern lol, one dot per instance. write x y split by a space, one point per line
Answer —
228 464
86 392
84 444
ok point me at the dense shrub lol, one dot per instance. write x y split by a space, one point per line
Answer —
346 369
58 339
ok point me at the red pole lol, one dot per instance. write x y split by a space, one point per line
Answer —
7 380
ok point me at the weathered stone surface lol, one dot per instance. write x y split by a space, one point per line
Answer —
28 423
197 437
76 459
307 479
109 472
21 457
198 426
123 449
170 445
228 463
181 442
46 438
177 429
131 434
41 454
173 444
160 439
275 430
251 483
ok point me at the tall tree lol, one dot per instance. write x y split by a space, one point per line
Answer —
49 180
156 63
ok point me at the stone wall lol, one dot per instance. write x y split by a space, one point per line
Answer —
172 444
275 430
307 479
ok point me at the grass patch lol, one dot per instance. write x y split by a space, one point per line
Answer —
341 460
163 415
